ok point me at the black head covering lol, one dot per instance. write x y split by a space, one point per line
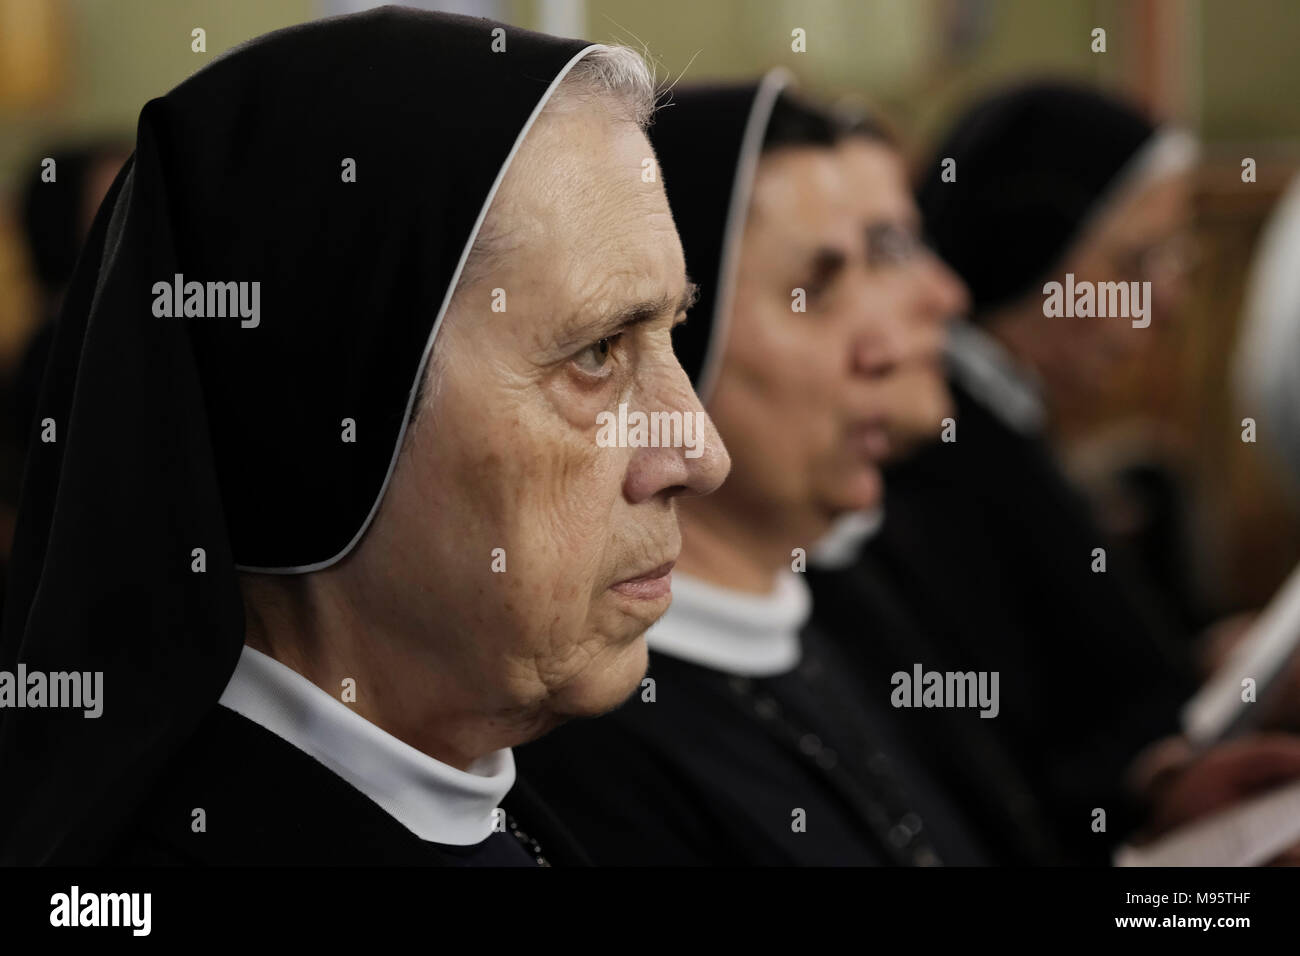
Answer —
1032 163
184 433
708 140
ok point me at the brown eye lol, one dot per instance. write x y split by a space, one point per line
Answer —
595 358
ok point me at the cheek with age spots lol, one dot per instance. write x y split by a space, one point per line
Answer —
546 488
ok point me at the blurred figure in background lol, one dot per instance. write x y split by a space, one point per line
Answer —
1267 364
985 545
1080 731
855 601
1266 382
1055 181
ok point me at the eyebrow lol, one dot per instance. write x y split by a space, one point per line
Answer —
637 313
824 263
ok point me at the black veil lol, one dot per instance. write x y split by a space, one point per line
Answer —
708 140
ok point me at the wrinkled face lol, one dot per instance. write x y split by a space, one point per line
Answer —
528 557
1144 237
912 284
800 395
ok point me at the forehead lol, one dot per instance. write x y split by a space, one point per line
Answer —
876 179
1155 207
799 193
588 202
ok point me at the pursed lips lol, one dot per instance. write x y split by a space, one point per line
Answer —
649 585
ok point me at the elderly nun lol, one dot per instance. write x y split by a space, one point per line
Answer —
316 491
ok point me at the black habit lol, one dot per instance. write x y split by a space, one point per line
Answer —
987 550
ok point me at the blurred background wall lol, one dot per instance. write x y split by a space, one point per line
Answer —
70 69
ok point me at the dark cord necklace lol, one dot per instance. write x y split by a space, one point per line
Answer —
530 845
879 800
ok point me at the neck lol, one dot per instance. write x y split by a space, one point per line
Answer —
311 624
730 552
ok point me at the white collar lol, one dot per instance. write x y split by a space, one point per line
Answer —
1009 389
839 547
747 635
433 800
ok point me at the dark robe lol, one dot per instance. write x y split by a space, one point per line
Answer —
989 550
268 803
967 753
713 771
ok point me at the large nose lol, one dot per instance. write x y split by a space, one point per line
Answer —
697 465
881 340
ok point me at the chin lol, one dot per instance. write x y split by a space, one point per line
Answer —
606 682
863 491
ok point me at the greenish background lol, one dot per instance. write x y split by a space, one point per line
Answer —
1237 77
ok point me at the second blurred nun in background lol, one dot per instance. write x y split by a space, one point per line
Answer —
984 538
753 743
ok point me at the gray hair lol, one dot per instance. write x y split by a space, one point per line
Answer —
615 77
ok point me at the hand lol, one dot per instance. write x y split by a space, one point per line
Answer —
1224 775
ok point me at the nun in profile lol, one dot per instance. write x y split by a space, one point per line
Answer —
316 486
1091 202
986 541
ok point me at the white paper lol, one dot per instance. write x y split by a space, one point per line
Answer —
1245 834
1263 654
